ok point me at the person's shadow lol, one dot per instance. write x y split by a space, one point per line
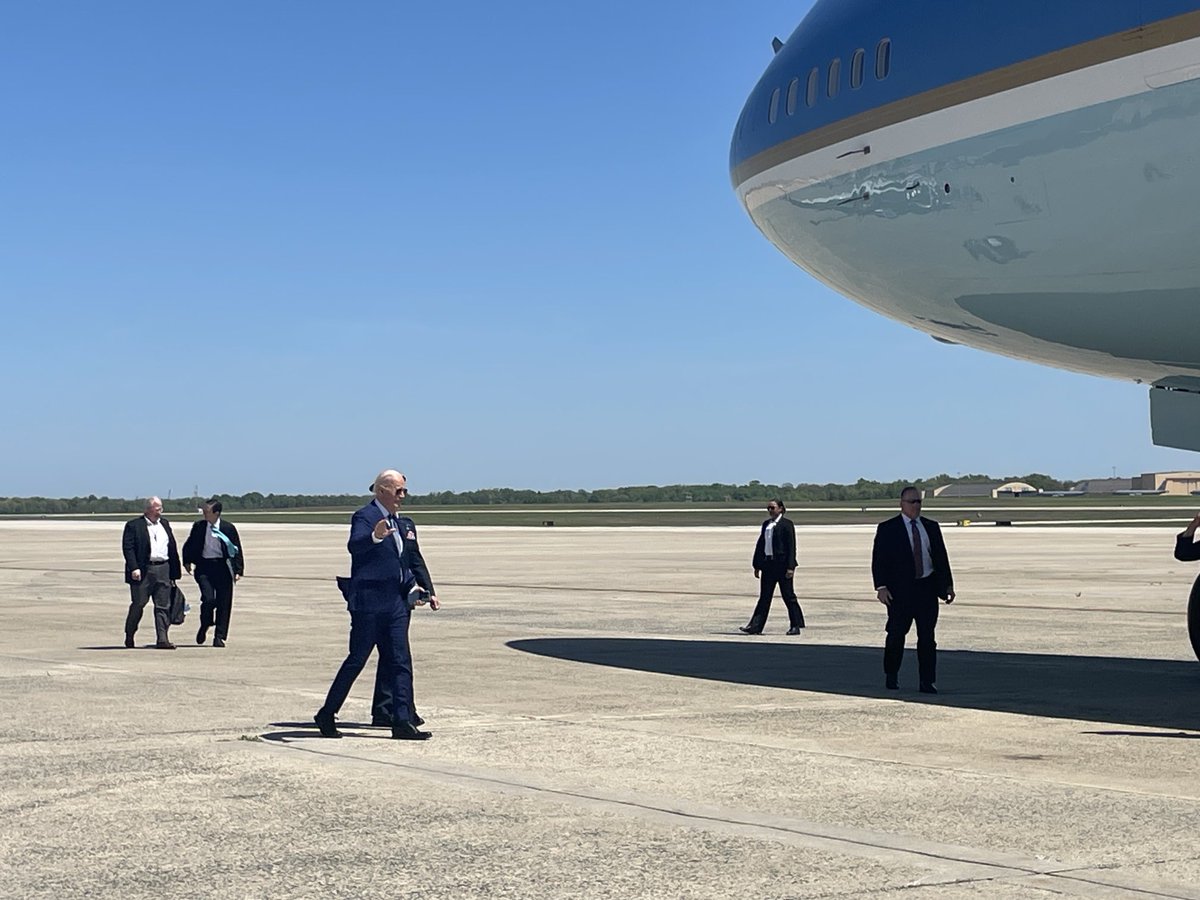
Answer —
299 731
145 645
1158 693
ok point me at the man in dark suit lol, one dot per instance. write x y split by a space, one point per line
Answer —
383 702
775 564
151 569
378 599
215 549
1186 548
911 570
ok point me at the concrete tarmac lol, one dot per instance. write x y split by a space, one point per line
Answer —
601 728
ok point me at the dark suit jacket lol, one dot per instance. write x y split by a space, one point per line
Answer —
193 547
1186 549
783 544
892 558
135 545
379 569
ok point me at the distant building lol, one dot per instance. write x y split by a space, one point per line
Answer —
1103 485
963 490
1168 482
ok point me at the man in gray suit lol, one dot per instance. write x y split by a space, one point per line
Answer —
151 569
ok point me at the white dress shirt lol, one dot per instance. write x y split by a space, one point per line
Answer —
160 547
769 537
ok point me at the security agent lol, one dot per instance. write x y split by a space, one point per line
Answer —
1186 548
377 595
775 563
912 571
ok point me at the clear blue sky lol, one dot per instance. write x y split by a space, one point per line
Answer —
278 246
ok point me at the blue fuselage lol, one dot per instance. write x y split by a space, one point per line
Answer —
1020 177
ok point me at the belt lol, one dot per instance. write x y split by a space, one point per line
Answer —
159 562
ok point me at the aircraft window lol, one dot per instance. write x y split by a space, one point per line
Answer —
856 68
883 59
773 109
835 79
810 95
793 91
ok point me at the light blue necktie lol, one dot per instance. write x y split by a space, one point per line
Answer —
230 546
394 521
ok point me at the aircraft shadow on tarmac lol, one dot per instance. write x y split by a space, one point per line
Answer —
1145 692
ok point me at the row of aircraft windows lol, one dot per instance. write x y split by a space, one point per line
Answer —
833 80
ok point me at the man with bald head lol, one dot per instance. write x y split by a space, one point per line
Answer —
383 550
151 569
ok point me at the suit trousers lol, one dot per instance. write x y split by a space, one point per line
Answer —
920 605
216 594
776 574
383 623
155 583
383 701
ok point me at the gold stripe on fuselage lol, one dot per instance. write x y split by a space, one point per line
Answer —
1029 71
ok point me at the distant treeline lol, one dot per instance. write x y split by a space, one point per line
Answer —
753 492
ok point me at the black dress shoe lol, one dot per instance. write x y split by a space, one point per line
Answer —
891 682
200 635
407 731
795 629
386 721
747 629
217 642
325 723
129 641
164 645
928 688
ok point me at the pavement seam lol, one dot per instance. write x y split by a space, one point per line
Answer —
969 864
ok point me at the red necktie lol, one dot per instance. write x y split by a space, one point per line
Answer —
918 559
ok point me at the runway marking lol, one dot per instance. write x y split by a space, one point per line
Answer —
957 864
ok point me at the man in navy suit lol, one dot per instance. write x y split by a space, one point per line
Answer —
912 571
383 703
378 599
